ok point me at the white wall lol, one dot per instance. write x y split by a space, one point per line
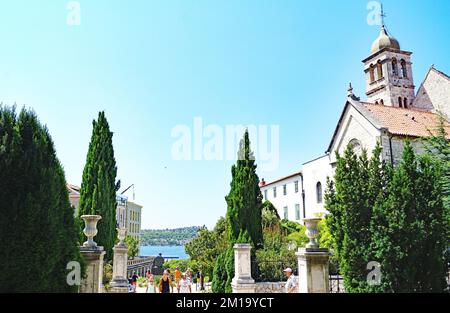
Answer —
289 200
313 172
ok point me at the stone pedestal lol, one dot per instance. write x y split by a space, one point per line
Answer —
119 283
93 257
242 281
313 276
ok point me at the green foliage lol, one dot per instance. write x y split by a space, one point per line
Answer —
37 232
409 232
133 246
98 188
275 256
168 237
244 199
206 247
244 214
393 216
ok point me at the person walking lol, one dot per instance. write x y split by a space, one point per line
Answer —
165 284
291 283
151 288
177 278
134 279
184 285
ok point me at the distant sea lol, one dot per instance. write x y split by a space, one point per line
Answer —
165 251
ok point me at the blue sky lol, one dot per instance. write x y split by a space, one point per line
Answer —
153 65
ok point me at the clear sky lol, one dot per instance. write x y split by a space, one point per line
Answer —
155 65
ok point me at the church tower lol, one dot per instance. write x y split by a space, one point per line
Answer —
388 70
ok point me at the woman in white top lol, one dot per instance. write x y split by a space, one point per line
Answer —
151 288
183 284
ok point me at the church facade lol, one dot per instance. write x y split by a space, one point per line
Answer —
391 114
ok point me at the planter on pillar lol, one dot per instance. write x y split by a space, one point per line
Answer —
119 283
93 257
313 276
242 281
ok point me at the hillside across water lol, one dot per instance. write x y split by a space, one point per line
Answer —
168 237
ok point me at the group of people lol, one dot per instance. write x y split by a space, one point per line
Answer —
183 282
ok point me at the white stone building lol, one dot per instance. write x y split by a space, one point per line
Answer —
286 194
392 113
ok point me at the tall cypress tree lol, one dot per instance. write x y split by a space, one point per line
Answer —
98 188
37 232
244 202
410 238
358 184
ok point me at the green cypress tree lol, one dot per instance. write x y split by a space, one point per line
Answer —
244 212
98 188
36 225
350 200
410 239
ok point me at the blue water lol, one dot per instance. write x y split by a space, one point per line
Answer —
167 251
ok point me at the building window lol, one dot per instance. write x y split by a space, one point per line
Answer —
285 213
297 212
404 71
372 73
265 194
274 192
405 103
296 186
379 70
400 102
394 67
319 192
284 190
356 147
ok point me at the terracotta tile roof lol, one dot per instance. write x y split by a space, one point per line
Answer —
280 179
405 122
73 189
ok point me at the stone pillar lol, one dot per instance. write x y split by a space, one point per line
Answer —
242 281
93 257
119 283
313 275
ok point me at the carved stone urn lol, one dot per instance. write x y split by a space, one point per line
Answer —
312 231
90 229
121 234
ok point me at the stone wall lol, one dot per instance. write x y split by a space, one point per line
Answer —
275 287
434 93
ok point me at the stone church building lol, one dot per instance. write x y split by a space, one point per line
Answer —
392 113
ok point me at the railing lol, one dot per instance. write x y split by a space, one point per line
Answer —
336 283
271 270
139 265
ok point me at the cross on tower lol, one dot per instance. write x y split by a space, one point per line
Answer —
382 15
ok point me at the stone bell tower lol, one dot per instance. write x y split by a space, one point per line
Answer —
388 71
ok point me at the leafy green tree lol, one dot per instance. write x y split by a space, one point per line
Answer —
37 234
244 210
98 188
133 246
206 247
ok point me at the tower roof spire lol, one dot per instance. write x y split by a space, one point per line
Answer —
382 16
